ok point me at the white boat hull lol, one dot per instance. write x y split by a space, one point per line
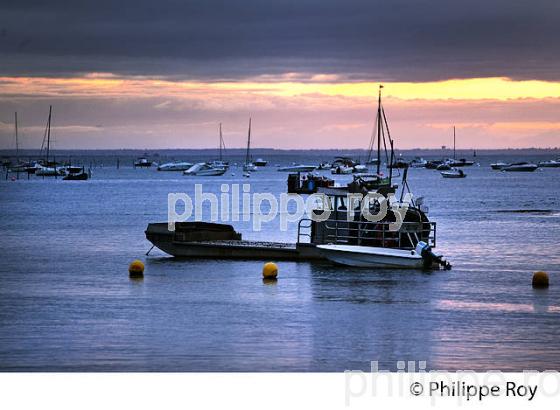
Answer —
175 166
372 257
297 168
204 170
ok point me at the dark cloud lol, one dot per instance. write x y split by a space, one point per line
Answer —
212 39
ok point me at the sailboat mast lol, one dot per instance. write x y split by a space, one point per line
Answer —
17 142
248 143
49 134
221 141
379 131
453 142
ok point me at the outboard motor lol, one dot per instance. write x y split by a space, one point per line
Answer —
425 251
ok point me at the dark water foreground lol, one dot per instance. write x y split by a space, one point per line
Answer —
66 302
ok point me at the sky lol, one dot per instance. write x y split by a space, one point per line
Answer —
164 74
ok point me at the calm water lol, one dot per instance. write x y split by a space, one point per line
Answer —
67 303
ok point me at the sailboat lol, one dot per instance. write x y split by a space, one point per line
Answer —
18 167
49 169
249 166
461 162
220 163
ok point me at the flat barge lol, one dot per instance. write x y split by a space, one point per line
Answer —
207 240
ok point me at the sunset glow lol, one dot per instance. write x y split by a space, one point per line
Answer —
326 112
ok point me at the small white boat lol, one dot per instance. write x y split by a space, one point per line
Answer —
324 165
453 173
50 171
202 169
259 162
342 170
175 166
550 164
498 166
219 164
375 257
360 168
521 167
297 168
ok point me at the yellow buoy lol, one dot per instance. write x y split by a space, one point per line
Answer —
540 280
270 270
136 268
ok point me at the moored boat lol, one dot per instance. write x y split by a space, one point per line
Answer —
143 162
498 166
375 257
345 220
550 164
203 169
297 168
259 162
453 173
175 166
521 167
418 162
461 163
77 176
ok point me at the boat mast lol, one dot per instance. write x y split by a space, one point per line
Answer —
379 131
221 140
49 134
453 142
17 143
248 143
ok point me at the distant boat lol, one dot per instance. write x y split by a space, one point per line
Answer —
433 164
324 165
53 171
399 163
48 168
550 163
445 165
461 163
453 173
342 170
220 163
249 165
259 162
143 162
418 162
175 166
82 175
204 169
458 162
498 166
297 168
521 167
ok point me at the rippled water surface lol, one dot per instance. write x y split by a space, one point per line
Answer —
67 303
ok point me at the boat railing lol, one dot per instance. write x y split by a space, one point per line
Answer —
364 233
